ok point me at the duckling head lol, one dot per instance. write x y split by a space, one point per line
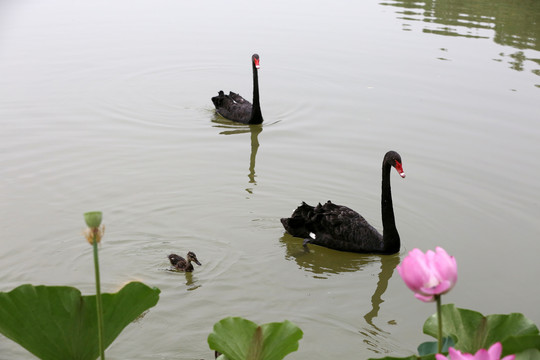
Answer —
192 257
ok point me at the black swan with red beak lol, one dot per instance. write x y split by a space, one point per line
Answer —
341 228
234 107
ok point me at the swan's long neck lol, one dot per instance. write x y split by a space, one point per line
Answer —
390 234
256 115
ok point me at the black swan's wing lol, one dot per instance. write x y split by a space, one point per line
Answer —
238 98
233 107
333 226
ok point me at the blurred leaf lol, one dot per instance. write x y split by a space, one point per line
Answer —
241 339
516 344
473 331
412 357
56 322
431 347
529 354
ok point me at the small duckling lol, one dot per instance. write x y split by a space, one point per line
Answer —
179 263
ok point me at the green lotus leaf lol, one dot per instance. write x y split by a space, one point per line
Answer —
57 322
529 354
241 339
513 344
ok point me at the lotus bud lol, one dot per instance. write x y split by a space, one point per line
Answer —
94 230
429 274
93 219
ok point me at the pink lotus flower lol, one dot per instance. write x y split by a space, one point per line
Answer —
493 353
429 274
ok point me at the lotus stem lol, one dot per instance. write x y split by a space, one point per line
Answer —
439 323
98 300
93 234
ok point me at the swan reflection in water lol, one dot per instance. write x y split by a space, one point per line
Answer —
323 262
233 129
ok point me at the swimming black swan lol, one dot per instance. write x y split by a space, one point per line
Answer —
338 227
179 263
236 108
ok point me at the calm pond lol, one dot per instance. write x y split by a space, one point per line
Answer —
105 105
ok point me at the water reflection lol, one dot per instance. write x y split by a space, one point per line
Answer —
508 23
388 264
374 336
234 129
326 261
255 131
191 283
323 262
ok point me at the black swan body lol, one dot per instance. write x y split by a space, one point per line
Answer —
234 107
181 264
341 228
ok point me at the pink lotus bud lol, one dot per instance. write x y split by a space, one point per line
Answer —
429 274
493 353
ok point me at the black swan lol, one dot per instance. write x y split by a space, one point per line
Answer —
181 264
234 107
338 227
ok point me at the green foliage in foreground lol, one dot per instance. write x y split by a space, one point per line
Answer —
471 331
240 339
57 322
431 347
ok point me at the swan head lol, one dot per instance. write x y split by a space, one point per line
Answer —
394 159
255 59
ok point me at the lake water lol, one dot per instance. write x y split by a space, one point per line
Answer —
106 106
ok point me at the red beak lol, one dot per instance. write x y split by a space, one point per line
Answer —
399 169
